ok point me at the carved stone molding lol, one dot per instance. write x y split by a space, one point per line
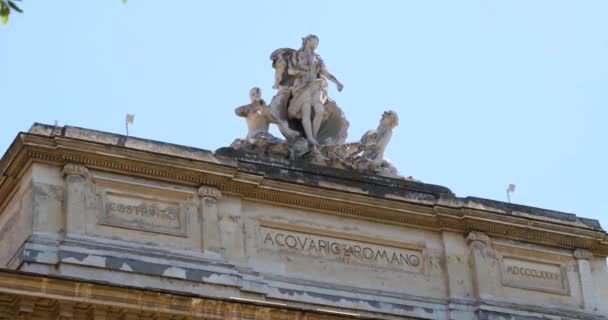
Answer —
476 236
64 311
199 173
25 308
72 169
209 192
34 297
582 254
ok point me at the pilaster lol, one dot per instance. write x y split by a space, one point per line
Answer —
483 257
209 222
76 177
584 257
457 271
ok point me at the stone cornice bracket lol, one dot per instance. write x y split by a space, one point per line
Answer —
476 236
582 254
209 192
72 169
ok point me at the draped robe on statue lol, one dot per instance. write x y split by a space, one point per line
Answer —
293 93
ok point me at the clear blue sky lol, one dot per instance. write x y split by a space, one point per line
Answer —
488 92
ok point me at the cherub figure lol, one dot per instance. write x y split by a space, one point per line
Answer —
256 113
259 116
370 153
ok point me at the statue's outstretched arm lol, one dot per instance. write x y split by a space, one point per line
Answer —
330 77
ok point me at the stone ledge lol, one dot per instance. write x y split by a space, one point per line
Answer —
303 173
110 301
122 141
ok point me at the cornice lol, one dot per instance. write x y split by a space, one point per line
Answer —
38 296
228 179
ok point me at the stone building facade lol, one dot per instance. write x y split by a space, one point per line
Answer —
97 226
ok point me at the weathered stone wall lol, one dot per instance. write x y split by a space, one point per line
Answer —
276 235
49 209
132 210
137 230
599 273
343 252
16 223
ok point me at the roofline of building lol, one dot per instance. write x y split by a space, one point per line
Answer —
297 184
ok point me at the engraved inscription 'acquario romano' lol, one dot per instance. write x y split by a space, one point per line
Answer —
344 250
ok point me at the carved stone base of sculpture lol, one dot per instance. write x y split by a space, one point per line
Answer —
333 128
383 167
342 156
264 143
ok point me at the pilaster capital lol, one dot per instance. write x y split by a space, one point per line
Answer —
209 192
72 169
582 254
476 236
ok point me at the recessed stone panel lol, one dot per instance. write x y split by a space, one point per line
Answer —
534 275
142 213
345 248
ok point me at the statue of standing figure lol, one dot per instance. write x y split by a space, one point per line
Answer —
302 101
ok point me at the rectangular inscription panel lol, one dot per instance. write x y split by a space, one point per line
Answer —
343 248
141 213
534 275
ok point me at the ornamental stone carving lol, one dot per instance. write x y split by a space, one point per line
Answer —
476 236
72 169
302 99
582 254
370 152
314 128
209 192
